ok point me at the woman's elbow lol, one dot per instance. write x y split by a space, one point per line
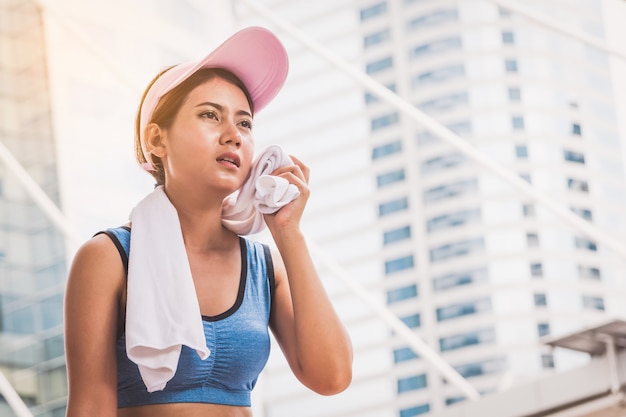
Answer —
334 382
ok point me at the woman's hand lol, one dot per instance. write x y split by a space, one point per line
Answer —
288 217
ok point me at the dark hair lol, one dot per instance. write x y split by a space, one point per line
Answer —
168 106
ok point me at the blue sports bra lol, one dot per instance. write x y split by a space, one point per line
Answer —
238 340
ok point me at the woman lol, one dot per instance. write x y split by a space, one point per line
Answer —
194 135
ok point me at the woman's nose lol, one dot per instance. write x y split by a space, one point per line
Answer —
230 135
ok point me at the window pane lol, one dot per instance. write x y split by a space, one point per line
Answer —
400 264
384 121
393 206
464 309
453 250
459 279
441 45
400 294
373 11
378 66
387 149
461 340
396 235
403 355
376 38
385 179
574 156
412 383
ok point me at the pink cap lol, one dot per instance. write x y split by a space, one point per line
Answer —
254 54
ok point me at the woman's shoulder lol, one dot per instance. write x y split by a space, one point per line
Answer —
97 258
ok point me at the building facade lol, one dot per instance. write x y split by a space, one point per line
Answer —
32 251
479 270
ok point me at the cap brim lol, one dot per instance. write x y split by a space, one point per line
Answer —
254 54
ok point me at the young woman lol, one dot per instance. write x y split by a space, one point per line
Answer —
194 135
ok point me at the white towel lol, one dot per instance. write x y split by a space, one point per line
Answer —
162 311
242 211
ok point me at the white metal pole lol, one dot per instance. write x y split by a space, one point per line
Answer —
12 398
37 194
398 325
443 132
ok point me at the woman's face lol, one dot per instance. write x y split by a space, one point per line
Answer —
210 142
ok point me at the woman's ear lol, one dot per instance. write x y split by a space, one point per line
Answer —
155 140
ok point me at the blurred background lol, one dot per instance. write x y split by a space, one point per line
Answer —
468 189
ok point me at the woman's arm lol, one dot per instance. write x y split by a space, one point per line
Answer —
92 301
304 321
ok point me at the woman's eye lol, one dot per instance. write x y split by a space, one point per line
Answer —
209 115
247 124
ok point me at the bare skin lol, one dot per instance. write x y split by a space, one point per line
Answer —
215 119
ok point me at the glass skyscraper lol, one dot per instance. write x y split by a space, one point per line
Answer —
32 251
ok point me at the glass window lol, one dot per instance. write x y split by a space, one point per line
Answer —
396 235
411 383
387 149
525 176
464 309
457 341
376 38
517 122
576 130
444 103
589 272
380 65
451 220
413 321
547 360
584 243
583 212
521 151
437 17
450 190
441 45
393 206
453 250
373 11
543 329
399 264
52 312
528 210
593 303
510 65
536 269
540 300
459 279
418 409
400 294
485 367
532 240
20 321
515 94
577 185
392 177
403 355
384 121
507 37
442 162
438 75
572 156
454 400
